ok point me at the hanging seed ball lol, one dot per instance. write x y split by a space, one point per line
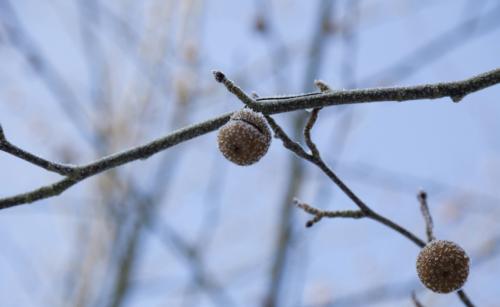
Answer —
245 138
443 266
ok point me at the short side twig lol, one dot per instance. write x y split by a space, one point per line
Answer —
58 168
319 214
233 88
322 86
307 132
422 198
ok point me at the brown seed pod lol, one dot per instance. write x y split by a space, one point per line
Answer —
443 266
245 138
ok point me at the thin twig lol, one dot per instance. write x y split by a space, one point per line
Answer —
288 143
58 168
233 88
367 211
307 132
37 194
319 214
422 198
323 87
464 298
298 150
415 300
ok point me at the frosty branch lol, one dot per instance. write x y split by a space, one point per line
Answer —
364 211
73 174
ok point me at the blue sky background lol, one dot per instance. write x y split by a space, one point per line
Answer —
391 150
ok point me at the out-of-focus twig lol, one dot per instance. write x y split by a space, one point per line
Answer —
297 171
350 44
191 254
472 28
48 74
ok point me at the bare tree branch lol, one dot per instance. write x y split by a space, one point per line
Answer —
364 209
319 214
80 173
307 132
464 298
422 198
456 90
10 148
367 211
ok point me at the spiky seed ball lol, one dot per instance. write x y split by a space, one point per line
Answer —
443 266
245 138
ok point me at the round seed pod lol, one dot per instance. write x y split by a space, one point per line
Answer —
245 138
443 266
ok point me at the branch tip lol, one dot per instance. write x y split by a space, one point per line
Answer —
422 195
235 90
219 76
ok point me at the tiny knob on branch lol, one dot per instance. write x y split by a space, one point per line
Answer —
219 76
